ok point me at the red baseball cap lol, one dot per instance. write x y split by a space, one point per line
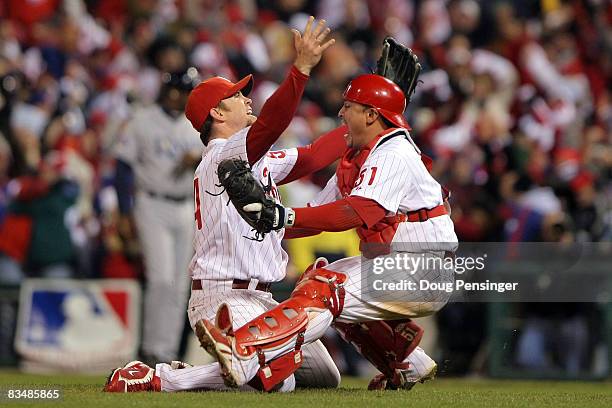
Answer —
209 93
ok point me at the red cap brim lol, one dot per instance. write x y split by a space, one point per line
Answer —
245 85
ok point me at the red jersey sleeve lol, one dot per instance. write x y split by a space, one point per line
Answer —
341 215
275 115
319 154
293 233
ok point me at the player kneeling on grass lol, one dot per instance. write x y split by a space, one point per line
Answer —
383 188
226 268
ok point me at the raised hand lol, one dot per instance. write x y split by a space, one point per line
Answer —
310 46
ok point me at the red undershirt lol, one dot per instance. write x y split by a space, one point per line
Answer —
275 115
319 154
347 213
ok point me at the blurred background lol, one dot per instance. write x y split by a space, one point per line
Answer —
515 107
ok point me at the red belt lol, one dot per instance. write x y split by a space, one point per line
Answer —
196 284
422 215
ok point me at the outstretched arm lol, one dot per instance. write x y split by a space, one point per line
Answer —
318 155
275 116
345 214
277 112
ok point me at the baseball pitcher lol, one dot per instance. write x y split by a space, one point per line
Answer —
230 266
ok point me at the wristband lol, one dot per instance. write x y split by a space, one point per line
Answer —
289 217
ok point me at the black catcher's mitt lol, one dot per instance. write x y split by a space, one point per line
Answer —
244 190
399 64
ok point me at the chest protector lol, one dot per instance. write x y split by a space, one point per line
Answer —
347 173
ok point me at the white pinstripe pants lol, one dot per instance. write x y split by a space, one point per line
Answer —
363 304
317 371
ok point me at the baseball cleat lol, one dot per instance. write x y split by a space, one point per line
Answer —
412 381
178 365
135 376
406 380
219 346
224 321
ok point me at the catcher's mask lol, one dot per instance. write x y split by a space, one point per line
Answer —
381 94
209 93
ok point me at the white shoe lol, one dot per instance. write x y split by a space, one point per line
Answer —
422 368
411 381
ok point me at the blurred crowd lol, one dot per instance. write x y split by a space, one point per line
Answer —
515 107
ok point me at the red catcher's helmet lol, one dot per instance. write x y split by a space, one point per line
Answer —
381 94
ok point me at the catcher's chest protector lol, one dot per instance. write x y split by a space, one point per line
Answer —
350 166
347 174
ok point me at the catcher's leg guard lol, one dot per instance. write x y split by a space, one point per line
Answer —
318 290
319 263
386 344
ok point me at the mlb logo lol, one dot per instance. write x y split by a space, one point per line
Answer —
78 325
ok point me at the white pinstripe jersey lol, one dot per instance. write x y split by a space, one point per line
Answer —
221 251
394 176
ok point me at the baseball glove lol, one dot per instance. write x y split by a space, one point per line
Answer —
249 196
399 64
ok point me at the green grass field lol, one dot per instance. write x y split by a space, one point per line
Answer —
85 391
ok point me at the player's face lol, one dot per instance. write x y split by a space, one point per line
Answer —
354 116
237 111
